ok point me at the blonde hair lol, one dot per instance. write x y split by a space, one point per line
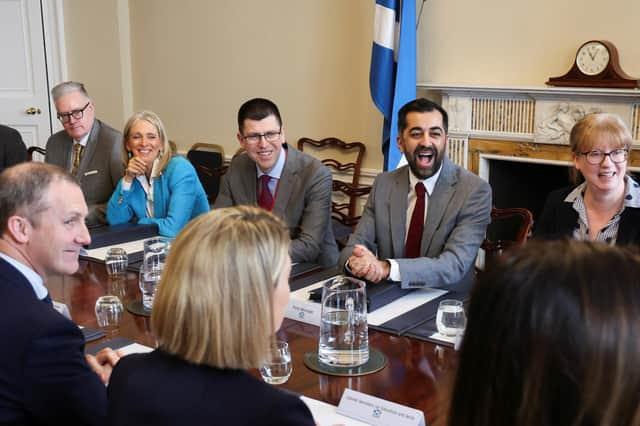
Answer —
599 125
214 302
153 119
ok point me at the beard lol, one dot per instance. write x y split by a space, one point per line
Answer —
425 172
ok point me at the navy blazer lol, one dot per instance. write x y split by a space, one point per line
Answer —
559 219
162 389
44 378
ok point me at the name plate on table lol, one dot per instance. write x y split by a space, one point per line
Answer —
378 411
304 311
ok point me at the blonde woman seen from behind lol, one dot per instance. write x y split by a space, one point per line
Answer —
220 301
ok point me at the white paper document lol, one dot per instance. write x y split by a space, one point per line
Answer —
403 305
100 253
135 348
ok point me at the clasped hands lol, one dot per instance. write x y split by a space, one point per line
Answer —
136 167
364 264
103 362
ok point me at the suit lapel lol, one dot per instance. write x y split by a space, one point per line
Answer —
286 182
398 206
438 202
248 181
66 143
89 149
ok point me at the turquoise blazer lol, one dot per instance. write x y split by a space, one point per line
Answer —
178 198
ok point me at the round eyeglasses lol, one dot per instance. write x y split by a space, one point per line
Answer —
597 157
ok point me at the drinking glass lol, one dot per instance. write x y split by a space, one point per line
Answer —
344 337
277 368
116 261
156 249
450 318
108 312
150 273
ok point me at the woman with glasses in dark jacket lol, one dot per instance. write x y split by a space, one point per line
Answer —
606 206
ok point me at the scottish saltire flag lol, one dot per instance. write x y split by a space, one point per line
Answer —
392 78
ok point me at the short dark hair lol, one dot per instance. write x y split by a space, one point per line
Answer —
421 105
23 190
552 339
257 109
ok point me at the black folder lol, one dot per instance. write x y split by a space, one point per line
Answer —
117 234
378 294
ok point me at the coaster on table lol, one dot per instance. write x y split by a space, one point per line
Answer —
377 361
137 308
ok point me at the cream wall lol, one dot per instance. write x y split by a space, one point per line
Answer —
519 43
96 43
195 61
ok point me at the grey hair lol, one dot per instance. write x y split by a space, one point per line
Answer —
67 87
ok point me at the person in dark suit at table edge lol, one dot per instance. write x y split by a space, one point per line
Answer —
277 177
44 375
87 148
12 148
424 222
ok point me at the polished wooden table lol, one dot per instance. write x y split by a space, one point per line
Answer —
411 377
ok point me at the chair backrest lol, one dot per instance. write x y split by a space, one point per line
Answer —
330 148
509 227
208 160
342 157
37 150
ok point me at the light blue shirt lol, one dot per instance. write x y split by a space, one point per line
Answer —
275 172
34 279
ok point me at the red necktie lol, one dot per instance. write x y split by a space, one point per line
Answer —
416 226
265 200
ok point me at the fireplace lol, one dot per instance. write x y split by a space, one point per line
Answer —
525 184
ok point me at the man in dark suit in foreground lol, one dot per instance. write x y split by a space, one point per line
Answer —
277 177
423 223
87 148
12 147
44 375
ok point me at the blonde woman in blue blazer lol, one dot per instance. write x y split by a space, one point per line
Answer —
157 187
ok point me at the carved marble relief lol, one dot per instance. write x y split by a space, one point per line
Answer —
554 120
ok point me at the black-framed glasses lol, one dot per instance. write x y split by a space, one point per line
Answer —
65 117
254 138
597 157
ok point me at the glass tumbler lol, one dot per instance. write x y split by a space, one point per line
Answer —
116 261
450 318
108 312
277 368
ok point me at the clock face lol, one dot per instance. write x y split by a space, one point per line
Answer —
592 58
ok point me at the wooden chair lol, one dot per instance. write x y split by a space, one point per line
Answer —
37 150
509 227
208 160
336 154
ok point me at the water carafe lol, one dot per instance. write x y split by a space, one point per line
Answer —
344 338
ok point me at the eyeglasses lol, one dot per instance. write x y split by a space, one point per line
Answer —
65 117
254 138
597 157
